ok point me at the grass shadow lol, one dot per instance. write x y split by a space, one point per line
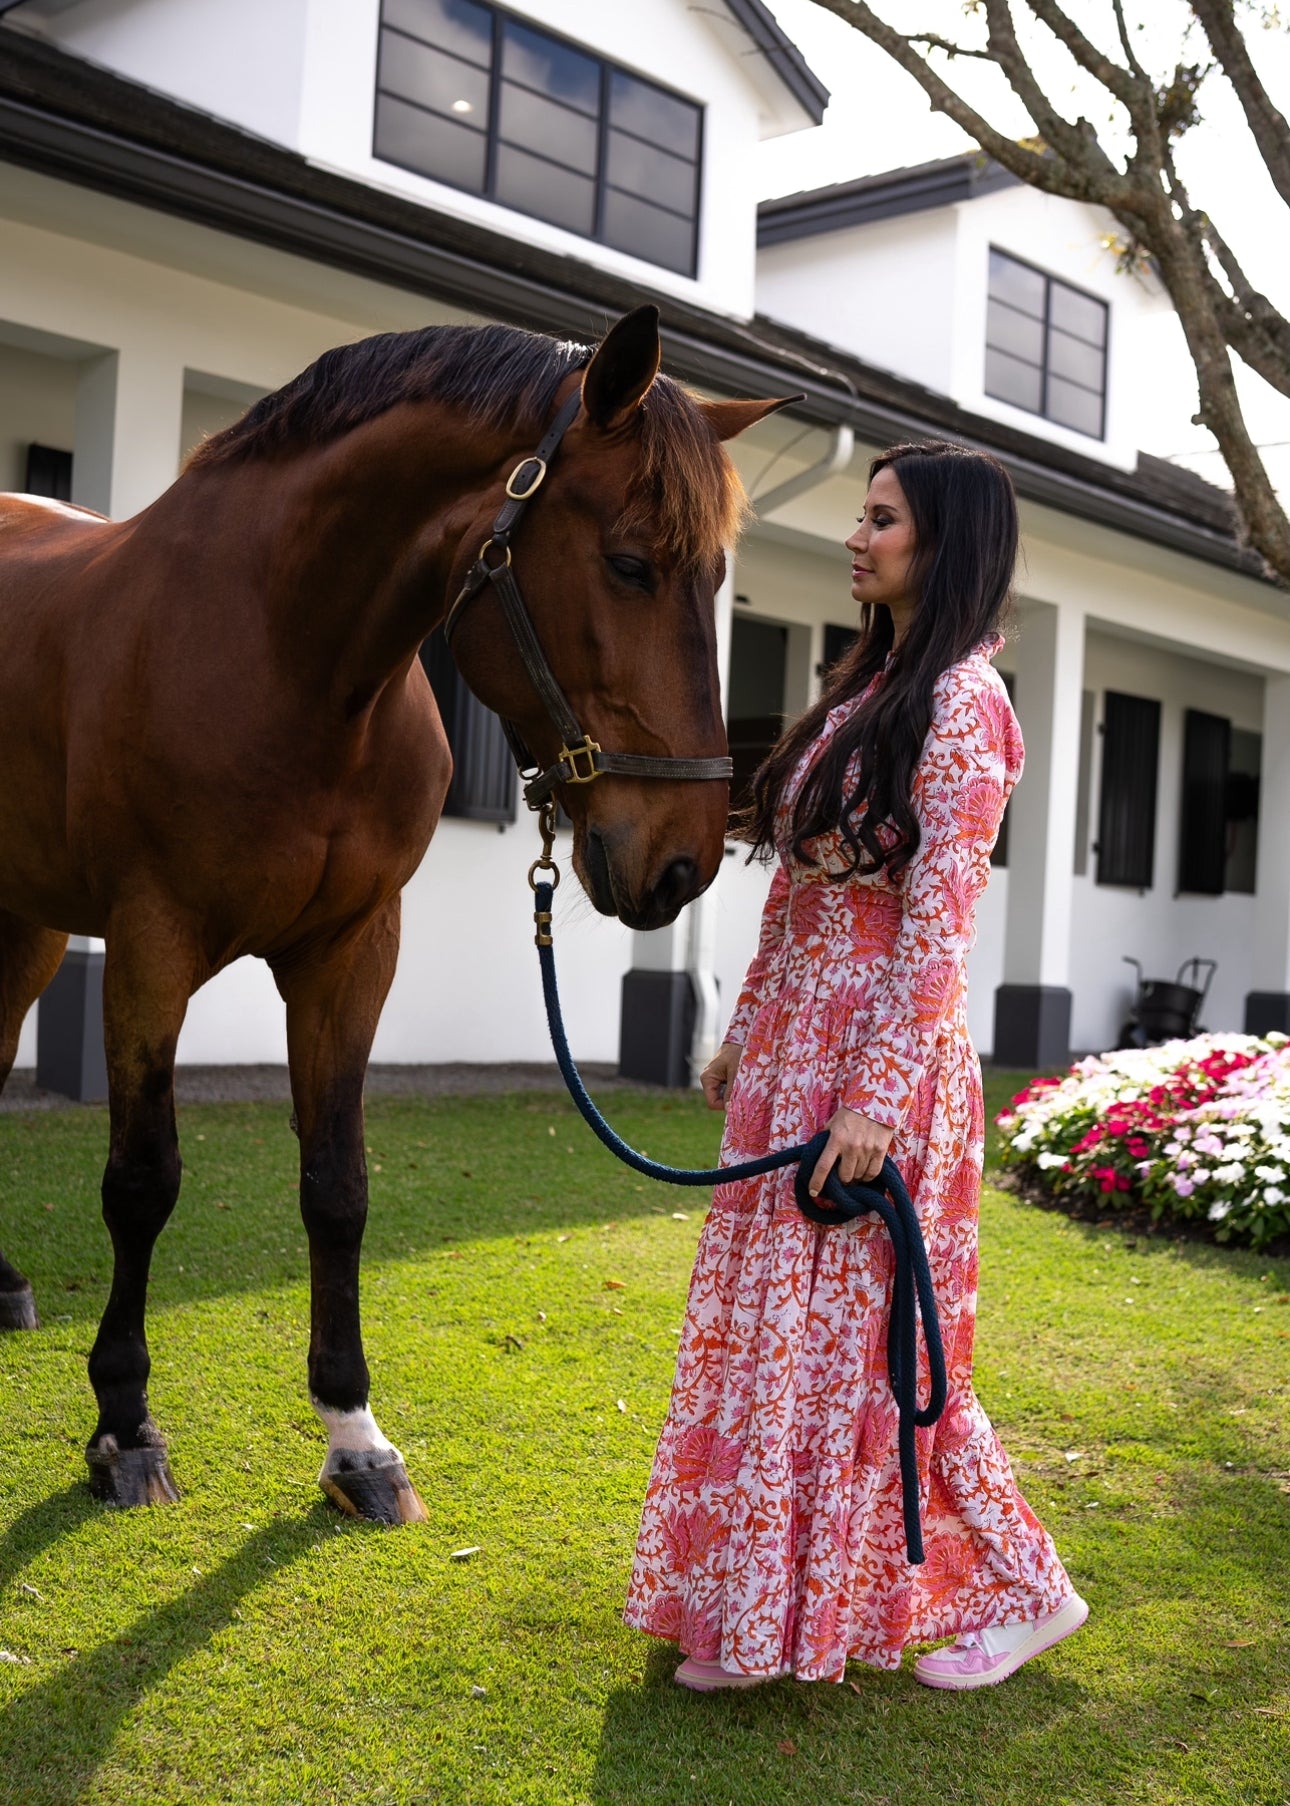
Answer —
56 1734
40 1527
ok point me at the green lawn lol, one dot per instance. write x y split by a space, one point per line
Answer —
246 1645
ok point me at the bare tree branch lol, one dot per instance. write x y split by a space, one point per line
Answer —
1266 122
1119 82
1218 308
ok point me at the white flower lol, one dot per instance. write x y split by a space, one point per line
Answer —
1273 1194
1230 1173
1201 1175
1050 1160
1218 1210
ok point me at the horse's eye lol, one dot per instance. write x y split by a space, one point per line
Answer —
632 570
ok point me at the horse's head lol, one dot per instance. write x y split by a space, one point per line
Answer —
618 560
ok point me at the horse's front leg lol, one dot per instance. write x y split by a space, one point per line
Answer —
147 980
332 1011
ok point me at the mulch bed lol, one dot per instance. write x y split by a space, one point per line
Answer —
1135 1220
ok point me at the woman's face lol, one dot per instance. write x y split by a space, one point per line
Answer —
882 549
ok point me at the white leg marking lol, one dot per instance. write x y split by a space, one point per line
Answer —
352 1432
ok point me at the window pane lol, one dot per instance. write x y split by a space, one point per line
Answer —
1016 284
545 191
638 107
648 232
651 173
1074 407
431 145
457 25
1074 359
544 126
1007 330
1078 314
416 72
552 68
1007 379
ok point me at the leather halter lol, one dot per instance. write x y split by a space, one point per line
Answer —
580 759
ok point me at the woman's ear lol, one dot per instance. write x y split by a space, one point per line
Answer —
626 362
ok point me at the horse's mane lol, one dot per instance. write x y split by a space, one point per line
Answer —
500 376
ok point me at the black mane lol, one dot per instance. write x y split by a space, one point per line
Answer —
497 374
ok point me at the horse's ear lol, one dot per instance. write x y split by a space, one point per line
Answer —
626 362
730 418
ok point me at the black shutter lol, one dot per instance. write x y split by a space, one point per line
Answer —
483 776
49 472
1126 827
1202 837
837 640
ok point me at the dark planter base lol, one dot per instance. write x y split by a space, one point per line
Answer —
69 1030
1032 1026
657 1027
1266 1011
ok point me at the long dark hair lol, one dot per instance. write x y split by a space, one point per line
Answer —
964 515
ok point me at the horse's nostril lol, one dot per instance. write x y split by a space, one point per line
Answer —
676 887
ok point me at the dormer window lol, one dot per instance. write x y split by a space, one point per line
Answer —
1045 346
471 96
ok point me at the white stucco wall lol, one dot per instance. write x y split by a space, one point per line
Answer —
884 292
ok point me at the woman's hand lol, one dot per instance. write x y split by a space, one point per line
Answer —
856 1143
719 1074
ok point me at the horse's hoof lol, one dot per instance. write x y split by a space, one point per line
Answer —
372 1484
18 1310
130 1476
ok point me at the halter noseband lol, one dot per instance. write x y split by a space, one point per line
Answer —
580 760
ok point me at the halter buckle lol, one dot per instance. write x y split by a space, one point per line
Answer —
586 749
522 495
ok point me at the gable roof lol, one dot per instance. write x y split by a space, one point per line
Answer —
73 120
868 198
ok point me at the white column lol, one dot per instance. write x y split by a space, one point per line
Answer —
129 421
1272 885
701 955
1032 1007
1041 831
689 943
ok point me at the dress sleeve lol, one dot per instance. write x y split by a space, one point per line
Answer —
969 763
774 917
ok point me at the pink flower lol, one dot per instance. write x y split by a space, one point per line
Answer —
1184 1187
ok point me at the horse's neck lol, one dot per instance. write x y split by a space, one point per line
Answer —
356 541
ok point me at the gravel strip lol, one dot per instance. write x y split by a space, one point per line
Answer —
270 1084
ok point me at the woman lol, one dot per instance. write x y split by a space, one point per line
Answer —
772 1539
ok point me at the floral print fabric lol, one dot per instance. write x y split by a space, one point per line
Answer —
772 1536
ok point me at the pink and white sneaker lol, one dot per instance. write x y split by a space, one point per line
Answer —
711 1677
982 1658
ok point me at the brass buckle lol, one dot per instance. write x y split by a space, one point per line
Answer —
483 555
587 749
522 495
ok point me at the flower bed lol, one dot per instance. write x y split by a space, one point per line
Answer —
1193 1131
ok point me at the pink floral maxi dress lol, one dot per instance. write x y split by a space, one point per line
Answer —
772 1536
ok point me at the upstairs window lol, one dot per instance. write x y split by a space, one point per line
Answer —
473 97
1045 346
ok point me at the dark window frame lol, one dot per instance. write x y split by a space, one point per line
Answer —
48 472
1202 826
494 142
1044 368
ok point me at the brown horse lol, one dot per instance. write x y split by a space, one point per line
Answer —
217 739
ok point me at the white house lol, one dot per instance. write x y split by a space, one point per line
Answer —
198 196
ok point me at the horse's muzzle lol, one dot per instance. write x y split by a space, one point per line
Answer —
654 907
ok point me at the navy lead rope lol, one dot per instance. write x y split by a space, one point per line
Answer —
912 1281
